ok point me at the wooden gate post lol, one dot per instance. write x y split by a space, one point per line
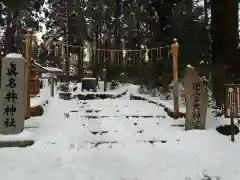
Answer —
28 57
175 52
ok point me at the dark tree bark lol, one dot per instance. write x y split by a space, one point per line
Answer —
9 42
117 32
224 32
70 33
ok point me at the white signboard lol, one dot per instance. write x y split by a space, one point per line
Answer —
12 95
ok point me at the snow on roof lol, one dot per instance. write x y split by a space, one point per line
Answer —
88 78
14 55
34 62
53 69
49 69
37 65
189 66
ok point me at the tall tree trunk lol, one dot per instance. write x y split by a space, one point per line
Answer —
70 37
79 42
138 45
80 63
9 42
206 22
96 58
206 18
117 33
224 32
231 30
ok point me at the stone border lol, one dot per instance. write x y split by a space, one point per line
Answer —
104 95
16 143
110 143
128 116
166 109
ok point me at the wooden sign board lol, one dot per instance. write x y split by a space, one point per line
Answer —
232 100
196 100
12 94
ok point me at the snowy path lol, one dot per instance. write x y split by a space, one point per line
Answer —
113 145
101 120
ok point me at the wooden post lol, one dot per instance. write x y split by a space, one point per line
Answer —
52 86
175 52
232 126
105 79
28 57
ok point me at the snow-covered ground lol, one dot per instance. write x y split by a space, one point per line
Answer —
159 99
119 139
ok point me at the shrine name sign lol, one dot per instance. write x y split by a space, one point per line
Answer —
12 94
196 100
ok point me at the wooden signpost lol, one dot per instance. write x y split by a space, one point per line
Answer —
196 100
232 104
12 94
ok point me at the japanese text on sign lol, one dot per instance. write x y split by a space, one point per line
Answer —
196 105
232 100
11 96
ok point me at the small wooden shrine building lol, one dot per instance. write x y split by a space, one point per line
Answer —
36 71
